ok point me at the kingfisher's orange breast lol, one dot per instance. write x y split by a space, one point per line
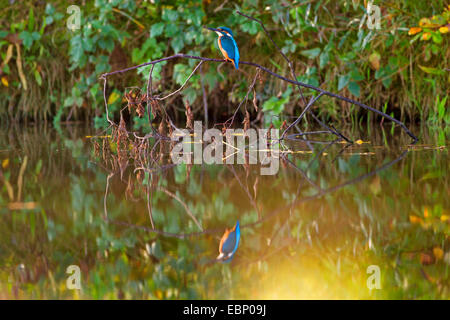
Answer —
223 239
225 54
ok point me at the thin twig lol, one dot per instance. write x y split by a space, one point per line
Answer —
188 211
149 202
245 99
106 101
309 105
105 209
182 86
149 95
205 100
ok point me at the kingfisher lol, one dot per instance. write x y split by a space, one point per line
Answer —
227 45
229 243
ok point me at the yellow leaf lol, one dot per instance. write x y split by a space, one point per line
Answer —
113 97
415 219
22 205
9 53
414 30
426 36
359 141
445 29
424 21
438 253
159 294
431 70
445 217
5 163
427 23
5 81
374 60
426 214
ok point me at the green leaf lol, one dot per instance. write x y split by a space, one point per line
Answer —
95 89
311 53
157 29
414 39
384 72
156 250
387 82
197 16
250 27
171 30
354 88
356 76
310 77
289 46
431 175
106 44
49 9
323 59
68 102
58 16
431 70
441 109
276 64
276 105
88 44
38 77
177 43
189 95
76 50
270 104
190 36
169 15
437 37
31 20
343 81
26 38
434 48
102 64
389 40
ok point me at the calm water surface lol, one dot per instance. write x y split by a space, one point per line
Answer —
325 226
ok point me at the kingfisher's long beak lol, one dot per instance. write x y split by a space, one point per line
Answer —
212 29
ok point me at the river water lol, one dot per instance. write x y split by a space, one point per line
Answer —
369 220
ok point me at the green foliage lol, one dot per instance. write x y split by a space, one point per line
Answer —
440 113
274 106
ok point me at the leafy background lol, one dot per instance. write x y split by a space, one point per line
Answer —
50 73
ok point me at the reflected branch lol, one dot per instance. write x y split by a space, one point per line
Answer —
185 206
262 218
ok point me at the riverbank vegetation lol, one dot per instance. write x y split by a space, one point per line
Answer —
49 72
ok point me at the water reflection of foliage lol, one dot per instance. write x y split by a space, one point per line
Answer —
337 235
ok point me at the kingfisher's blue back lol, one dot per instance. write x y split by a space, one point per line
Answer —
228 46
229 244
